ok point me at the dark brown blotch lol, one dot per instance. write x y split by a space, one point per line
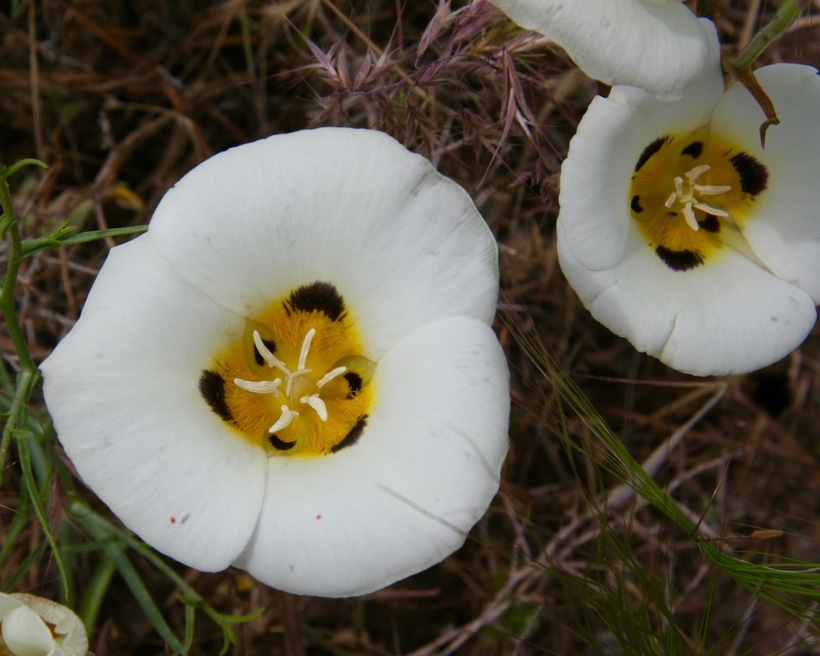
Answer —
354 382
320 297
280 445
212 388
710 223
693 150
352 436
636 204
650 150
684 260
269 344
754 177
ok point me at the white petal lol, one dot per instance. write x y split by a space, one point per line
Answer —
122 388
25 634
727 316
406 494
595 177
783 226
656 46
354 208
68 628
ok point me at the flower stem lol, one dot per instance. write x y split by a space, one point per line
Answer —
28 374
741 65
786 14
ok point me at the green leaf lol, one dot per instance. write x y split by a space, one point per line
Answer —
61 237
115 551
8 171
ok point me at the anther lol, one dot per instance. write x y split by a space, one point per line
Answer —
689 200
330 375
259 386
267 356
284 420
305 348
317 404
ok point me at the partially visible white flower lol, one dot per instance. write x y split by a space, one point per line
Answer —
33 626
656 45
680 232
293 371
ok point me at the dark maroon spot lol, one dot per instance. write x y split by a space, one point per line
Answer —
354 381
353 435
269 344
671 214
636 204
650 150
280 445
679 260
710 223
318 296
212 388
694 149
753 175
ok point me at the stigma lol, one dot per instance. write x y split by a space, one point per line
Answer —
299 389
688 193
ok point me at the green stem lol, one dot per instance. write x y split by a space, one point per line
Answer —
7 295
783 18
28 375
741 65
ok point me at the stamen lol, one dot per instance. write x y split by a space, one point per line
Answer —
696 172
267 356
711 210
689 198
284 420
297 388
317 404
305 348
689 217
330 375
259 386
711 190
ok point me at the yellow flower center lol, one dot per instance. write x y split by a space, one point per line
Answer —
690 195
296 384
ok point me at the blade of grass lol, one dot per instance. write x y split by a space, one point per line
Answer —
35 496
793 586
116 552
31 246
95 592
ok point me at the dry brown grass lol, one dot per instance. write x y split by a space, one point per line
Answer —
121 99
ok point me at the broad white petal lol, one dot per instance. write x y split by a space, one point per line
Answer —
595 177
68 628
783 225
405 495
122 389
25 634
656 46
727 316
353 208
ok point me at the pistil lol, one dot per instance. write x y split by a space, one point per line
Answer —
688 195
295 383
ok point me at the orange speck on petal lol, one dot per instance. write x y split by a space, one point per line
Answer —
173 520
318 517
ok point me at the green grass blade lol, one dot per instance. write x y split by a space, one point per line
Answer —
115 551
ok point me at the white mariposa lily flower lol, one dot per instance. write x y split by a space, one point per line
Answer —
680 232
33 626
656 45
293 371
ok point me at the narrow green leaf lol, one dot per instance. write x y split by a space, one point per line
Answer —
34 494
116 552
8 171
31 246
